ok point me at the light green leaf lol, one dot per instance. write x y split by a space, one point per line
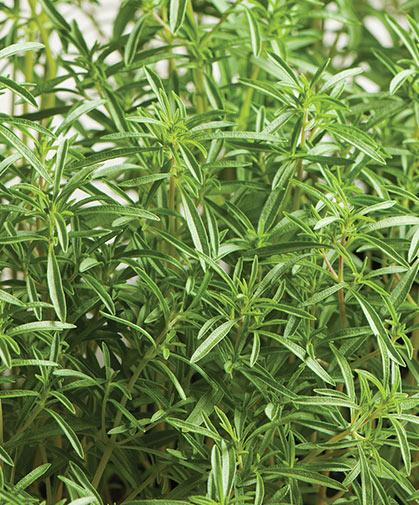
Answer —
133 40
19 90
357 138
212 340
306 476
55 16
55 286
83 108
255 37
177 14
19 48
118 210
8 298
341 76
31 477
191 163
25 152
403 442
366 481
195 225
40 326
100 290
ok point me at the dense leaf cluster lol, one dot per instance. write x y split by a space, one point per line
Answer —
209 253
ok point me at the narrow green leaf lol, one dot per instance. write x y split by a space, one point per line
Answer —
377 327
390 222
134 326
118 210
406 39
289 75
191 163
152 285
31 477
25 152
366 481
157 502
55 286
8 298
145 179
100 290
62 232
17 393
325 401
239 135
399 79
68 432
341 76
60 159
260 490
194 428
319 370
177 14
19 90
154 81
283 248
20 48
403 442
255 37
213 93
77 112
306 476
4 456
403 287
133 40
383 247
55 16
346 372
255 349
195 225
40 326
212 340
357 138
295 311
324 294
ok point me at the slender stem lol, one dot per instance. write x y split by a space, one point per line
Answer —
329 266
244 114
150 354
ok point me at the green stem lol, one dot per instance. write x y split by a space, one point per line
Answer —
244 114
150 354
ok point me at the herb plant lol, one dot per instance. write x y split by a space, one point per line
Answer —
209 239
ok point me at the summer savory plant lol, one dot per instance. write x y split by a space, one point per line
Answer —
209 252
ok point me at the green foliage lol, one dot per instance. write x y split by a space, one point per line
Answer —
209 253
